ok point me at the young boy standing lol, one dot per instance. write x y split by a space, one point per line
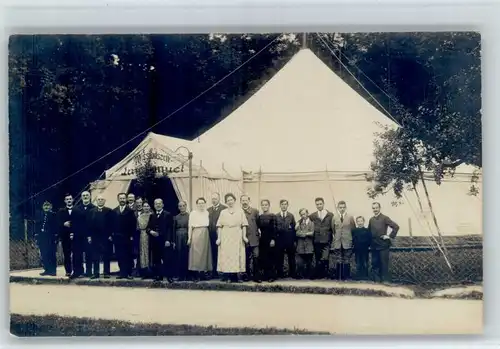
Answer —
361 240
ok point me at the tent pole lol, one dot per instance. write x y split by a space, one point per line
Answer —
190 158
434 218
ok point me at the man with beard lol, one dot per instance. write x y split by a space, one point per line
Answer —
81 240
131 201
213 216
66 229
123 232
100 237
162 242
46 238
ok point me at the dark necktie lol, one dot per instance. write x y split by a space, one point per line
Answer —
44 222
341 218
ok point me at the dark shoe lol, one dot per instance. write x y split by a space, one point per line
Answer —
170 280
121 277
75 276
87 275
129 277
106 276
257 281
43 273
93 277
68 274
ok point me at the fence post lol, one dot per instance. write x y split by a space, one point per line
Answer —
410 231
26 249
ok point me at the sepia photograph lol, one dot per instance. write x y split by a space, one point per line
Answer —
223 184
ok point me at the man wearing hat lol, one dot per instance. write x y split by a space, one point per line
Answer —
46 238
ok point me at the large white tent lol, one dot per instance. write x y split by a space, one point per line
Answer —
306 134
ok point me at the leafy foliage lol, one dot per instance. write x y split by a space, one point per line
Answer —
147 176
430 83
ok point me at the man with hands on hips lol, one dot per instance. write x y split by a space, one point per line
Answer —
381 242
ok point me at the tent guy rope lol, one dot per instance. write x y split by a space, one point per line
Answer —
152 126
351 62
357 80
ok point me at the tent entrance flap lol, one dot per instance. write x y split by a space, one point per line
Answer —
162 188
109 190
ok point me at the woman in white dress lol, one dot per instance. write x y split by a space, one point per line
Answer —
231 239
200 254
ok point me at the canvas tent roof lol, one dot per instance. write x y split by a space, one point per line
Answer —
305 118
167 157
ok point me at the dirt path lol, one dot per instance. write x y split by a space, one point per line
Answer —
335 314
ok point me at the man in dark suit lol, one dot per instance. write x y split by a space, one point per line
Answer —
100 237
160 229
253 236
286 240
213 216
123 232
81 241
381 242
46 238
323 233
66 229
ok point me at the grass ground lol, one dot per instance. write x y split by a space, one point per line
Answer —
55 326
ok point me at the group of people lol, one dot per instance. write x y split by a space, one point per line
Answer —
228 241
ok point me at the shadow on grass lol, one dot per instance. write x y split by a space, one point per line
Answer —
57 326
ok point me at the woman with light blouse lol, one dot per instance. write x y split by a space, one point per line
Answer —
200 256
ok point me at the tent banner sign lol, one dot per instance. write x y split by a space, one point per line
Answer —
163 163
